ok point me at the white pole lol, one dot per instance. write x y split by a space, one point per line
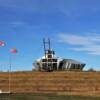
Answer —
10 65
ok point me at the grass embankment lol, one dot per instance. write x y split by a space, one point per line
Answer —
44 97
62 83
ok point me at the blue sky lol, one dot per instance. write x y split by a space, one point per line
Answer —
72 25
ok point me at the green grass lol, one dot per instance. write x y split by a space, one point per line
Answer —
43 97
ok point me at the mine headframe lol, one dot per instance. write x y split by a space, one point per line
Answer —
49 55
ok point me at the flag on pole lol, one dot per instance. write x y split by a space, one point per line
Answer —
13 50
2 43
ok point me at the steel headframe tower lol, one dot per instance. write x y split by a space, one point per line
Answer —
49 54
47 46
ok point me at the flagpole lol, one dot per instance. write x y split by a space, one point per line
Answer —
12 51
10 65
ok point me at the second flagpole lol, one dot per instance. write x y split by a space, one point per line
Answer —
10 65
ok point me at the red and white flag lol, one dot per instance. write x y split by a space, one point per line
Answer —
2 43
14 50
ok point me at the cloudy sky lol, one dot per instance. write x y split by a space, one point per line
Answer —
72 25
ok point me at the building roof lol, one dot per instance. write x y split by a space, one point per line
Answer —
73 61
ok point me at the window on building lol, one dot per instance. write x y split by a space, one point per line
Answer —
50 56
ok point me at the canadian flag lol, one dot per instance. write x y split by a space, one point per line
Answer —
2 43
13 50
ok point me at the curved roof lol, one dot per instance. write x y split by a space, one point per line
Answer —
73 61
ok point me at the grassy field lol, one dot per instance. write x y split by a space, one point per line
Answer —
44 97
61 82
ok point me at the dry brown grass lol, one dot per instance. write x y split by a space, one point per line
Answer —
66 83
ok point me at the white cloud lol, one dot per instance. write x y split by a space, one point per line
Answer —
20 5
83 43
74 39
18 24
33 6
